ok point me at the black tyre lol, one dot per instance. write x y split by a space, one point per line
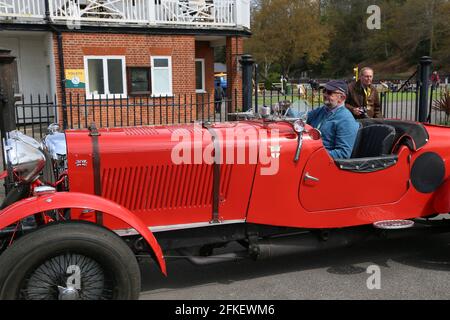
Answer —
69 261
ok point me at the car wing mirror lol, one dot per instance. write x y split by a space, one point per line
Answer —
315 134
299 127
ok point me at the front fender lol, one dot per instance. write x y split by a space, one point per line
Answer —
59 200
441 201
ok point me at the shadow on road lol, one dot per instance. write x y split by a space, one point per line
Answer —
427 252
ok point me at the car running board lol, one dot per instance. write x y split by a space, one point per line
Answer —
393 224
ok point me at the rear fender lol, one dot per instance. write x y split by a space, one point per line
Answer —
61 200
441 201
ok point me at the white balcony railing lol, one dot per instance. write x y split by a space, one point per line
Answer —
22 8
127 11
214 13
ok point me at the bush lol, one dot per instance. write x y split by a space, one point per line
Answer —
443 104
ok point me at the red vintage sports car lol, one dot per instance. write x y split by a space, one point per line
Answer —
83 204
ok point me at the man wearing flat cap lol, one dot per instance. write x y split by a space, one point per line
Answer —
335 121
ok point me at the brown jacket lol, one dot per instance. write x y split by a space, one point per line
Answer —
357 99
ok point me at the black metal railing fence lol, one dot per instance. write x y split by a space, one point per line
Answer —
402 104
35 113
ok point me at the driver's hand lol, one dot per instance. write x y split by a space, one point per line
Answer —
356 111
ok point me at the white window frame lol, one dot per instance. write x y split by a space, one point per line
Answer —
153 80
203 89
108 95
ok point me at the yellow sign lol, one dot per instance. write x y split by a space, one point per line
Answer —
75 79
355 71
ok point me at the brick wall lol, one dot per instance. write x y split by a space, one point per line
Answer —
234 48
204 51
137 50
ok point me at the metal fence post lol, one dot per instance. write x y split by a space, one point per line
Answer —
430 105
247 85
416 107
59 39
425 68
256 88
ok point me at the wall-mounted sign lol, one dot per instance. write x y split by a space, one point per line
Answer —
75 79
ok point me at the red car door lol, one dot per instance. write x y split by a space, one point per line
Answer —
323 186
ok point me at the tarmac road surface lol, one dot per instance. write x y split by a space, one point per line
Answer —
414 268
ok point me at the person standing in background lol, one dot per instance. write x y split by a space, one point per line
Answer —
435 80
363 100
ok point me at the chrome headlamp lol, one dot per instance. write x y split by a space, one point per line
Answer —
23 155
299 126
54 142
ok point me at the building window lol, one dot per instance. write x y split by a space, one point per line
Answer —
138 80
161 76
200 75
105 77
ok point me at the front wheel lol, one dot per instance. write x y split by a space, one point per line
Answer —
69 261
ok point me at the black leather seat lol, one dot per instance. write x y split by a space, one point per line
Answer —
412 134
374 141
372 150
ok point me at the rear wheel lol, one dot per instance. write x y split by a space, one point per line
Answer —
69 261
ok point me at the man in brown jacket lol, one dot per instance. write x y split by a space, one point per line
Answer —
362 99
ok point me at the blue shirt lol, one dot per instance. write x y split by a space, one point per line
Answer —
338 127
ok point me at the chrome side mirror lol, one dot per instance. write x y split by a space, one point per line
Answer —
315 134
299 127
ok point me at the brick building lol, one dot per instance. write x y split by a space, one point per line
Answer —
138 61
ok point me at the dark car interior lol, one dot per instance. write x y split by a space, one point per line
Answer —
378 142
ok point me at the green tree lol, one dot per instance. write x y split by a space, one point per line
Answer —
441 53
331 36
349 35
286 32
409 30
413 28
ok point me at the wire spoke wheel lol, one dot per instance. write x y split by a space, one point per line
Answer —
69 276
70 260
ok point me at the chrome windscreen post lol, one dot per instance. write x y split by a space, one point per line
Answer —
9 181
299 147
5 165
5 162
